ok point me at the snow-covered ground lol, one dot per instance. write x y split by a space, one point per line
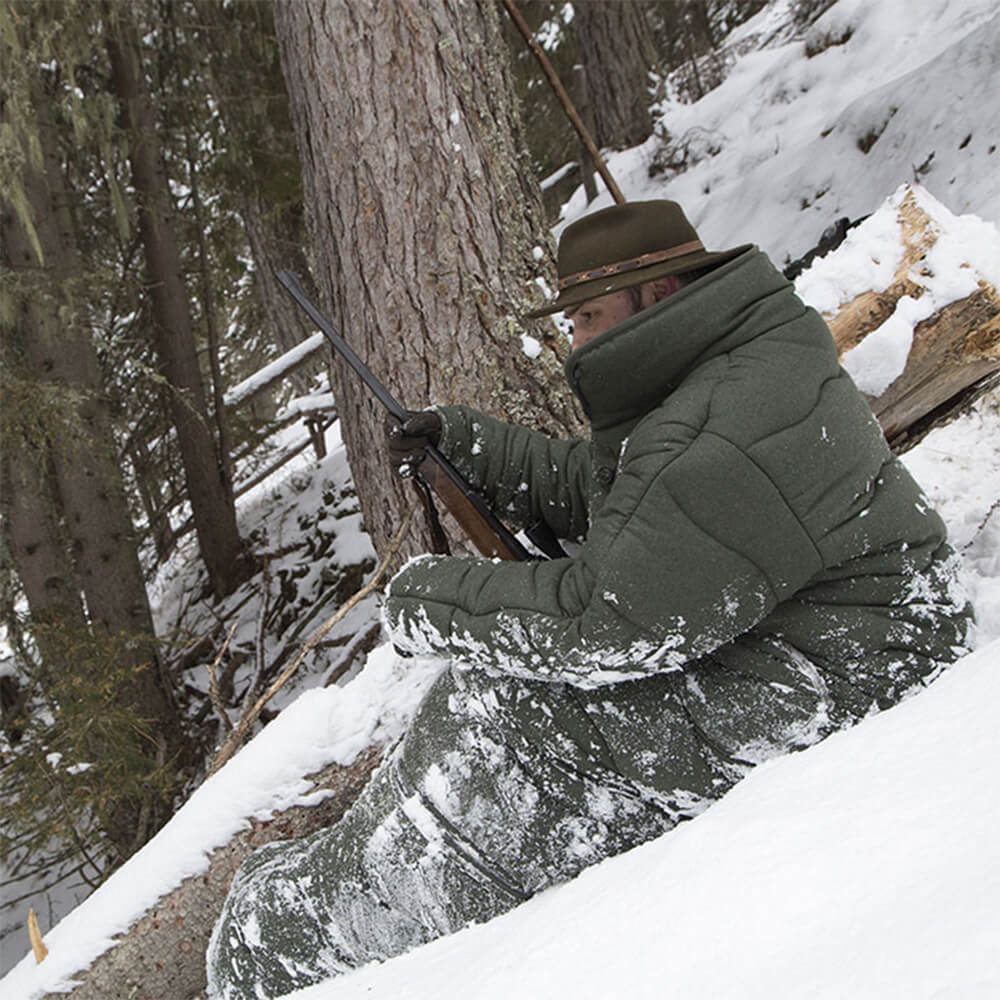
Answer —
773 154
862 867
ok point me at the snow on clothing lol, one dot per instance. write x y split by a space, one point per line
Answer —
755 570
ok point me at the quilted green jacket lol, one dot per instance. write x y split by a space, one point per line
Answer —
737 505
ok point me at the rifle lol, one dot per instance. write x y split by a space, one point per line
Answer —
435 473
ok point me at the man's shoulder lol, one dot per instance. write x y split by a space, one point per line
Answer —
749 394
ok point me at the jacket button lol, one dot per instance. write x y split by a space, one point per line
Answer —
605 475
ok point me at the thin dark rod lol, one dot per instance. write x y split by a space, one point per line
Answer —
550 73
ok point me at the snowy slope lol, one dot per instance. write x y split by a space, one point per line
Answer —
773 152
862 868
868 867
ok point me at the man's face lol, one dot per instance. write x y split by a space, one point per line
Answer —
594 316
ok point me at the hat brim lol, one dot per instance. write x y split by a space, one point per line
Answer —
587 290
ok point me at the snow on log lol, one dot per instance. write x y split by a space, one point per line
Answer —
278 369
142 934
162 957
911 299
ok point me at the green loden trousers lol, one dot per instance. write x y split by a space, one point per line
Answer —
500 788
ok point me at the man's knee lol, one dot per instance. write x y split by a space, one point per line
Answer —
774 702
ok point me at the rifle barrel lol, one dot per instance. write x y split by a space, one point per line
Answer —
504 543
291 282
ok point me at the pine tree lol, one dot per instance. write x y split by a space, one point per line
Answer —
427 230
210 492
107 679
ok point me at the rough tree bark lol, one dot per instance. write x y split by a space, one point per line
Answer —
37 541
617 55
424 226
34 537
210 495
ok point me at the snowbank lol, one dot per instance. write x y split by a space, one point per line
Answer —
861 868
322 726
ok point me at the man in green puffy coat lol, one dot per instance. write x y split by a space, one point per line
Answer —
752 570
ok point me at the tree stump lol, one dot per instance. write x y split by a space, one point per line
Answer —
954 350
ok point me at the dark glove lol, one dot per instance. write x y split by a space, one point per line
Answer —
407 440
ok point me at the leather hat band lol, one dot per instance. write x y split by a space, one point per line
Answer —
645 260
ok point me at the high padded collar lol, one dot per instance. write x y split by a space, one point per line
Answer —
627 370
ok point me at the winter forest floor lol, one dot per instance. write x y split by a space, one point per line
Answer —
861 868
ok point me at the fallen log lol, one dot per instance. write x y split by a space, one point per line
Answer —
955 349
162 957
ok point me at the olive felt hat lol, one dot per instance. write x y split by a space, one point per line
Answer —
627 245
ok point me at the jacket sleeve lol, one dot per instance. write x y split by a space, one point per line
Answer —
526 476
693 546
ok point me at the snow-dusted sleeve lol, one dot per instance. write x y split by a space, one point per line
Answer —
693 546
526 476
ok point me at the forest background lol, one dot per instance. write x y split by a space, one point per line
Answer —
159 161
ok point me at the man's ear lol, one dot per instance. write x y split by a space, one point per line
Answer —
661 288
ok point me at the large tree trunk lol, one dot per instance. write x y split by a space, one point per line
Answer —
38 548
424 226
62 354
210 494
617 56
36 540
53 328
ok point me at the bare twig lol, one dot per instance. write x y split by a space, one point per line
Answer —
213 682
41 887
341 667
77 837
982 524
239 734
560 91
35 936
260 663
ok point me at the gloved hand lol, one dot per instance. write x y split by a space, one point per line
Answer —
407 440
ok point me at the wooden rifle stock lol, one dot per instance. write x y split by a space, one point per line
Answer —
486 531
469 509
